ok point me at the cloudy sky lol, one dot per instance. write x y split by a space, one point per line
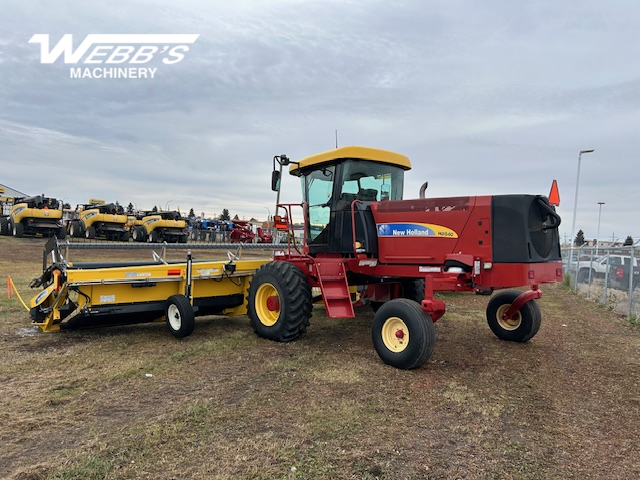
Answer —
484 97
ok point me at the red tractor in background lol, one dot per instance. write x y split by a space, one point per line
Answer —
264 236
360 234
242 232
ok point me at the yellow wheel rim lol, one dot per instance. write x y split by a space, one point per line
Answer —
267 304
508 324
395 334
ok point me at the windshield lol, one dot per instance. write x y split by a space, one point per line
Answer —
317 192
371 181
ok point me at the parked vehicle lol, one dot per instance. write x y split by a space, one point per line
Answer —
156 227
96 220
33 215
620 267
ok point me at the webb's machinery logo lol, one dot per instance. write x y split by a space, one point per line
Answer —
116 49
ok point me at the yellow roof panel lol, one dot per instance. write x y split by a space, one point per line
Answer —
363 153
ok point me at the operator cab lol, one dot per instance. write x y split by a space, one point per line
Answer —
332 181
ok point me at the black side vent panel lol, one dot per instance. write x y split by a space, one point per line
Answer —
525 229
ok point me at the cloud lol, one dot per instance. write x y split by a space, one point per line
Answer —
485 98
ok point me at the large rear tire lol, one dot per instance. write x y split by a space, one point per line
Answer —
180 316
4 226
90 232
61 233
524 324
18 229
279 302
403 334
139 235
75 229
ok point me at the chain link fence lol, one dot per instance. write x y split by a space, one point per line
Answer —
608 276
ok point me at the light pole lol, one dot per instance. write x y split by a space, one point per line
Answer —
575 204
166 205
269 229
598 236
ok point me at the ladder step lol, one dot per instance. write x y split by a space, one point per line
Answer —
335 289
332 278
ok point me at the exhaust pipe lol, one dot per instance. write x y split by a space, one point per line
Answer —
423 188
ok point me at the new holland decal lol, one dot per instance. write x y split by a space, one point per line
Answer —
414 230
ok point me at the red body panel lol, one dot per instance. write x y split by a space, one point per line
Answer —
429 229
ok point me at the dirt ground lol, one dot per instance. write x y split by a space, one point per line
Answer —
133 402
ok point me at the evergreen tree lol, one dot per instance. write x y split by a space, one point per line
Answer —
130 208
192 214
628 241
155 210
225 215
235 217
579 240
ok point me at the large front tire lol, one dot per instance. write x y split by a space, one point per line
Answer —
403 334
180 316
524 324
279 302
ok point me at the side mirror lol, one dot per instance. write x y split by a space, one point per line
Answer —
275 180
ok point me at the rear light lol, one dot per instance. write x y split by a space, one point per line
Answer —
531 274
558 272
619 272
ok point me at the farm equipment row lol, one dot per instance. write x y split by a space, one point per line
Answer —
41 215
363 244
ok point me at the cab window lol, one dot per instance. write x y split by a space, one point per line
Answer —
318 192
371 181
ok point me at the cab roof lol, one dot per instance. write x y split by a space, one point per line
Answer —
360 153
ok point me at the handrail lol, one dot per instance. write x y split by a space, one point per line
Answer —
353 225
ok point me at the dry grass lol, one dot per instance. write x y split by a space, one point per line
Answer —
135 403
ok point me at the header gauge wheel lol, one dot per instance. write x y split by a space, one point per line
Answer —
180 316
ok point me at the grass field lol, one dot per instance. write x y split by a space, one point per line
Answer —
133 402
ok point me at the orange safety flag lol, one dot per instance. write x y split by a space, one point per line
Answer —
554 194
9 286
